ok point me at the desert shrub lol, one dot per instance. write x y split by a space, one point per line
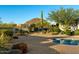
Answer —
7 32
77 32
4 39
21 32
68 32
55 30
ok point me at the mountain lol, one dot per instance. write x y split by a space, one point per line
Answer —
33 21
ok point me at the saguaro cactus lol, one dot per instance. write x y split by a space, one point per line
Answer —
42 18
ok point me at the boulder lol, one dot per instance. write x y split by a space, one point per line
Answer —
21 46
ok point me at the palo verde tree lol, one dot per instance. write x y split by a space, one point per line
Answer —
64 17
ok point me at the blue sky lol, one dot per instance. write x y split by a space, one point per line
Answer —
22 13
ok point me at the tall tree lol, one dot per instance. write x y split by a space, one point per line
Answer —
64 17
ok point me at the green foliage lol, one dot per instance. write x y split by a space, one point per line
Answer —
55 29
68 32
63 16
5 36
7 32
77 32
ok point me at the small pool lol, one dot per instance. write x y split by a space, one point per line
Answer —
65 41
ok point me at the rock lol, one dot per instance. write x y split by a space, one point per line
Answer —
21 46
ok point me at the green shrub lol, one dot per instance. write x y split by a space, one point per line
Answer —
68 32
55 29
77 32
5 36
7 32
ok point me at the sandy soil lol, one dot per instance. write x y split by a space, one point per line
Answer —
42 44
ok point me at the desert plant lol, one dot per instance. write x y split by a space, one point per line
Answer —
64 17
4 39
55 29
68 32
77 32
8 32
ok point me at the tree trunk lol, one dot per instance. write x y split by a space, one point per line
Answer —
63 27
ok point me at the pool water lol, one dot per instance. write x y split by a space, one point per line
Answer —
65 41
